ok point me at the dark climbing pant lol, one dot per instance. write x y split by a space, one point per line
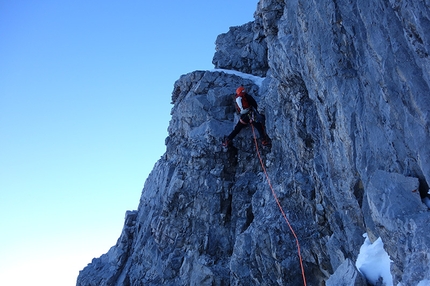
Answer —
245 121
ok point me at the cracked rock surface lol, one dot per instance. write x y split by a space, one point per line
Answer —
345 89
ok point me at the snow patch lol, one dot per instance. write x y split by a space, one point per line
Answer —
256 79
373 261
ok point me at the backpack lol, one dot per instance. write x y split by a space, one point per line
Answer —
247 102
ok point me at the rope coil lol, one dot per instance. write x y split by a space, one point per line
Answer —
279 205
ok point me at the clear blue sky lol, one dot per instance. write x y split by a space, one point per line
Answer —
85 92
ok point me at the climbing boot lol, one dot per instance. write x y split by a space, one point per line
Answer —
266 142
226 142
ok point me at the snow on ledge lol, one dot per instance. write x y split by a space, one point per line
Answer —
373 261
256 79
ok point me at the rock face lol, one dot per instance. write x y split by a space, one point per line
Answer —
242 49
346 94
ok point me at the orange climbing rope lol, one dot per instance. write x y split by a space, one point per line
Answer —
279 205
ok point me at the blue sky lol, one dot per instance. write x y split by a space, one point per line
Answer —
85 92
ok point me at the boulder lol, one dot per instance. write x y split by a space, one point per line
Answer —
346 275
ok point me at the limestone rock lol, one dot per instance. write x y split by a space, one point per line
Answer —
346 275
346 97
243 49
106 270
399 217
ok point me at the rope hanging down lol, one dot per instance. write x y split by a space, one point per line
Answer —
279 205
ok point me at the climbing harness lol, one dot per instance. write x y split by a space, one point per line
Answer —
250 117
279 205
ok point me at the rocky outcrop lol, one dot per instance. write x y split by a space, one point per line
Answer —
346 274
346 94
242 49
394 212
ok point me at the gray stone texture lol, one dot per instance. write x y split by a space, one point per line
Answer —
242 49
347 105
346 275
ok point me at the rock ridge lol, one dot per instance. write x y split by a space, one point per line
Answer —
345 89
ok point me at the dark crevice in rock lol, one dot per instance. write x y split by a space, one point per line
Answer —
249 218
359 192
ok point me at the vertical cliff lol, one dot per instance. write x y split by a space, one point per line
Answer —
345 87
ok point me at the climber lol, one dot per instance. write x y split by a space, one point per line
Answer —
247 107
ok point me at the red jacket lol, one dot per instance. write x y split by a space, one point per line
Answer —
244 102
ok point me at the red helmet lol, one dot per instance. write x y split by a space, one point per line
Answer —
240 90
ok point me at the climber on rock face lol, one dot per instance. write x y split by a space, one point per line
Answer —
247 107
